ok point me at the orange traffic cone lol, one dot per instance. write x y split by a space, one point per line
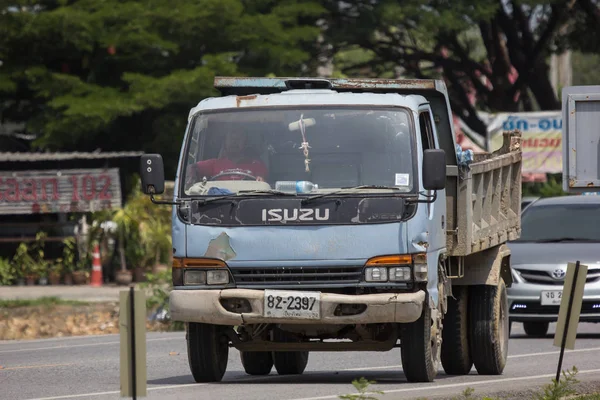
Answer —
96 267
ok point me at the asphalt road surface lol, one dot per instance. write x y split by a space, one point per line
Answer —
88 368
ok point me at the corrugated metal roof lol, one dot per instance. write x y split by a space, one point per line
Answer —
30 157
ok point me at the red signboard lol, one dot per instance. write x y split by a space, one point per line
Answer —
59 191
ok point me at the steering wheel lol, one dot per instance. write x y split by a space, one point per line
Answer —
237 172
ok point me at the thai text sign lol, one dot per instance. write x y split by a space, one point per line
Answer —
541 138
59 191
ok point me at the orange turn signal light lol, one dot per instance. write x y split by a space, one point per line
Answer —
399 259
197 263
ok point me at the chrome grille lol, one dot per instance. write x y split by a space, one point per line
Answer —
279 276
545 277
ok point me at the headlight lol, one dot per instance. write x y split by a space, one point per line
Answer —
376 274
400 274
201 271
397 268
219 277
194 277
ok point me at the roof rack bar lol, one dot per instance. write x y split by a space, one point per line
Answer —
238 85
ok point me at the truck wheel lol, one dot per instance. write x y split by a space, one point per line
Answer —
420 347
536 329
288 362
257 362
456 355
208 350
489 327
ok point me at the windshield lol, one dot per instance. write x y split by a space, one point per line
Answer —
301 151
564 222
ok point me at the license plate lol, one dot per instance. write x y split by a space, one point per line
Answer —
551 297
292 304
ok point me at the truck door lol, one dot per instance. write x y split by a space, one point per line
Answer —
436 236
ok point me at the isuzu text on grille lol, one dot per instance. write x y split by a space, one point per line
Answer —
294 214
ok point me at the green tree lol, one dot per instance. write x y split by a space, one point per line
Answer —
493 54
123 75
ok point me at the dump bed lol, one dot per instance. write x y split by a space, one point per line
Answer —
484 201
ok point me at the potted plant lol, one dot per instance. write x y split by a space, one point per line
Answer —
68 259
55 271
25 263
42 269
79 271
123 276
155 234
7 272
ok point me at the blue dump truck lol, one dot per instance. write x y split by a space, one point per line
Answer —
338 215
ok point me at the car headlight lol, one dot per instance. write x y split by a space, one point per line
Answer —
200 271
194 277
399 274
218 277
397 268
376 274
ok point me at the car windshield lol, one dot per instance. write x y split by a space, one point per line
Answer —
561 222
300 151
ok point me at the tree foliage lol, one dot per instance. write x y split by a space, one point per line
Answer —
492 53
112 74
123 74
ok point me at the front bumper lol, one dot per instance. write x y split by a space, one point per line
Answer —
205 306
525 304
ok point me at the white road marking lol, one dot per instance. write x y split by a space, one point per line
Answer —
74 396
546 353
370 368
174 335
461 384
452 385
69 346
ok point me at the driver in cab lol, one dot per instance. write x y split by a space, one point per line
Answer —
234 156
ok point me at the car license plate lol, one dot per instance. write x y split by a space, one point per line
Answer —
551 297
292 304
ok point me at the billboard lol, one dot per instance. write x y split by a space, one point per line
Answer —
59 191
541 138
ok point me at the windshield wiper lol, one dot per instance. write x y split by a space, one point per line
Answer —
566 239
241 194
307 200
276 192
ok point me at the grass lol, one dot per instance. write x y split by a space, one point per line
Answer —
41 301
563 389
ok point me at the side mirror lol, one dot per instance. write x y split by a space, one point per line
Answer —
152 172
434 169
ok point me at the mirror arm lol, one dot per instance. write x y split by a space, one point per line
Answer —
431 199
173 203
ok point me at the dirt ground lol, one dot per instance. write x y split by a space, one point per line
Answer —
36 322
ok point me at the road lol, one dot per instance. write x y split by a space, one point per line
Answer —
88 368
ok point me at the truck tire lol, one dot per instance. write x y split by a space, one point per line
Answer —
257 362
536 329
288 362
208 351
489 325
420 348
456 354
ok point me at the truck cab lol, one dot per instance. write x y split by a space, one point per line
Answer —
312 215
